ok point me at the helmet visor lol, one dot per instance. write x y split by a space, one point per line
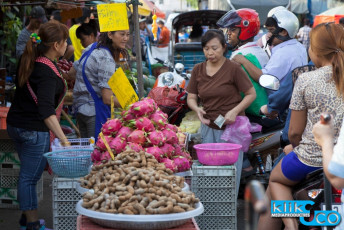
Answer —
230 19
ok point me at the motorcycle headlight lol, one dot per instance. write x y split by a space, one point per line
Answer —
168 79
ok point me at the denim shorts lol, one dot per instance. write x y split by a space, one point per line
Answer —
294 169
30 146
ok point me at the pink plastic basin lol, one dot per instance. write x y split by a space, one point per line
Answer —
217 153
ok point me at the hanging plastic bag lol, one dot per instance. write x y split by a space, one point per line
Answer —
240 132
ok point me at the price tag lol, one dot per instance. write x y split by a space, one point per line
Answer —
122 88
220 120
107 145
112 17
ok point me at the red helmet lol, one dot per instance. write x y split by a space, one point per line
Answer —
246 19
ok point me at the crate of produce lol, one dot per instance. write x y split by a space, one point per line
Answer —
9 196
65 198
9 177
215 187
84 223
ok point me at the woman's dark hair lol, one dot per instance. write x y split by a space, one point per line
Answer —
327 42
214 33
271 22
197 31
57 15
104 40
87 29
49 33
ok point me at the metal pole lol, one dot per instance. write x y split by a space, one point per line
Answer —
138 47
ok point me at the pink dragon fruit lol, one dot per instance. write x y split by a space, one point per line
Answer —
101 145
96 155
167 150
177 150
151 102
118 145
143 123
142 108
155 151
169 164
171 127
182 164
156 138
137 136
171 137
159 119
105 157
126 115
134 146
124 132
111 127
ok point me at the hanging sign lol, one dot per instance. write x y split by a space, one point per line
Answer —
112 17
122 88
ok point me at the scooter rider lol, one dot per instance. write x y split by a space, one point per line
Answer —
287 54
240 27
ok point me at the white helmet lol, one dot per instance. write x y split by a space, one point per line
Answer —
288 21
179 67
275 9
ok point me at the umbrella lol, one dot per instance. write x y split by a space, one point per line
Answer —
331 15
147 7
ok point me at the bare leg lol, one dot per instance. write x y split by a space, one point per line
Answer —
280 188
266 222
31 215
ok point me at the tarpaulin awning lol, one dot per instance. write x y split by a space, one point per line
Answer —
331 15
147 8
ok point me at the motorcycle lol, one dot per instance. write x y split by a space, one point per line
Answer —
174 77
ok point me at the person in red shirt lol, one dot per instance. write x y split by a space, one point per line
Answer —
164 37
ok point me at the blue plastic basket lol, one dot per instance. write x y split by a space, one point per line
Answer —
70 162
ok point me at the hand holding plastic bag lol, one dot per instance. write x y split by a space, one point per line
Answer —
240 132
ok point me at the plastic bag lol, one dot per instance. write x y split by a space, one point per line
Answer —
240 132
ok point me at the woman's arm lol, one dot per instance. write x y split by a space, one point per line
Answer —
250 96
106 96
70 75
192 103
55 127
298 121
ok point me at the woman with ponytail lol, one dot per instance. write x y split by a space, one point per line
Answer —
92 94
315 92
34 111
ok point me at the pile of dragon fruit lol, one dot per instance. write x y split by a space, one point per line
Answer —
144 127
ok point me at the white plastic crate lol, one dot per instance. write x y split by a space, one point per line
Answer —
215 187
9 177
9 158
7 146
9 196
80 143
65 198
216 222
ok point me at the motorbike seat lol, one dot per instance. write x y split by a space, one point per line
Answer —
268 125
188 46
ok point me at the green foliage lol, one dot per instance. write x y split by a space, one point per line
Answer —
194 3
9 33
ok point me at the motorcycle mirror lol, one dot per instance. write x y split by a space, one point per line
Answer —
269 82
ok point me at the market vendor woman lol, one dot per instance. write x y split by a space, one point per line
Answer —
92 94
218 83
34 111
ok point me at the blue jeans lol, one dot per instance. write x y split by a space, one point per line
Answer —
30 146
